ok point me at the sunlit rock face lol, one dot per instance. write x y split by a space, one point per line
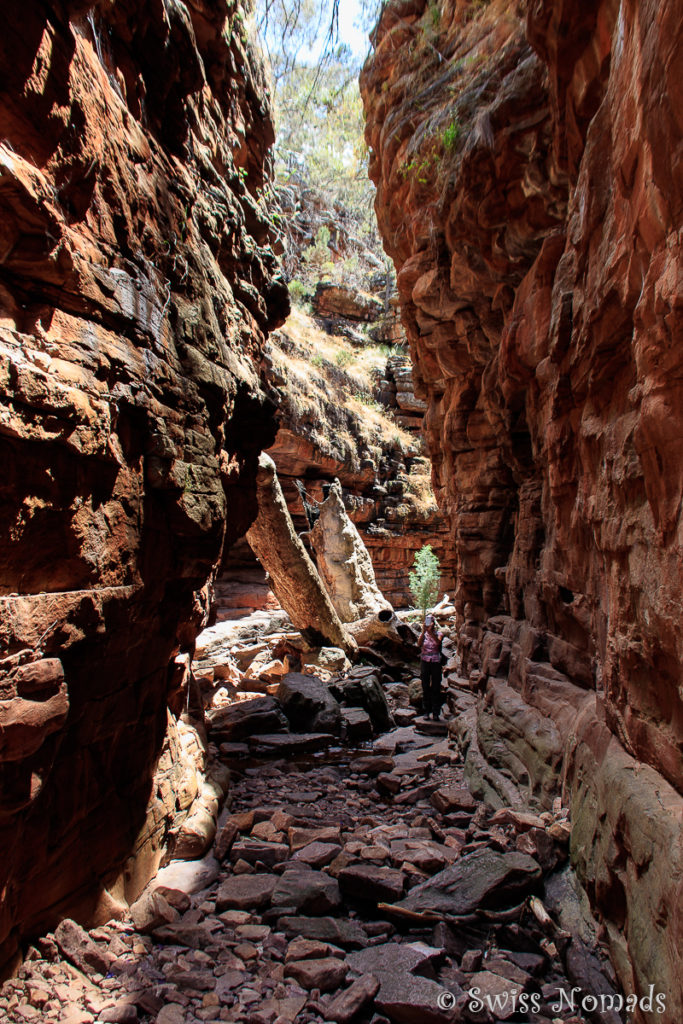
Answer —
136 288
527 159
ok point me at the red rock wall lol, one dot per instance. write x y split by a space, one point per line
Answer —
136 287
527 159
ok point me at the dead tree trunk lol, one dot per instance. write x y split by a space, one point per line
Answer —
294 577
344 562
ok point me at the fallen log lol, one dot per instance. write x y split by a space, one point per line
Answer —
345 564
293 576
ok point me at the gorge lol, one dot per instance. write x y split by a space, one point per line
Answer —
527 159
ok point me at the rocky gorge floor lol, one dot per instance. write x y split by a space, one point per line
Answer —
361 882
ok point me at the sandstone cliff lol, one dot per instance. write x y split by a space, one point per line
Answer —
136 286
527 159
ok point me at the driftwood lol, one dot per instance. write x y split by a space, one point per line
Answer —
293 576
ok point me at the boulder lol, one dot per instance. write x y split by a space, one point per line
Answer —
188 876
367 693
151 911
246 717
294 577
344 562
357 722
308 704
482 880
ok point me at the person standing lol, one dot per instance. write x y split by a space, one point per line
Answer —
429 642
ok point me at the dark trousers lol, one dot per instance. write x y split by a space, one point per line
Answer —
430 674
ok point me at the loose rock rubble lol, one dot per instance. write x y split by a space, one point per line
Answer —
363 885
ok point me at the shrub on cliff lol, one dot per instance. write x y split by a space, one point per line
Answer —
424 578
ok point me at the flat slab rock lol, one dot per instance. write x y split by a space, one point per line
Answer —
245 892
347 1004
504 991
254 850
317 854
188 876
372 883
483 879
404 995
400 740
246 717
326 974
453 798
358 722
338 931
303 889
289 743
373 764
429 727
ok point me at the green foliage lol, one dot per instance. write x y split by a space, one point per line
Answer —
320 153
421 167
371 403
424 578
343 358
451 136
317 360
434 15
317 257
389 351
298 291
418 170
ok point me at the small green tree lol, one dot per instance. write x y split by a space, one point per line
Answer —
424 578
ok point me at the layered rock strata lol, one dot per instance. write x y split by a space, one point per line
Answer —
136 286
529 192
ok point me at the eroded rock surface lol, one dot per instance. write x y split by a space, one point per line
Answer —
529 195
136 286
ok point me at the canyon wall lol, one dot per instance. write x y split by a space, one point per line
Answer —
137 284
528 165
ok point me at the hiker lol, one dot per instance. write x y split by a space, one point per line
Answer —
430 667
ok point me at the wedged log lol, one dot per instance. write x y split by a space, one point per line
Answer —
344 562
294 578
386 629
